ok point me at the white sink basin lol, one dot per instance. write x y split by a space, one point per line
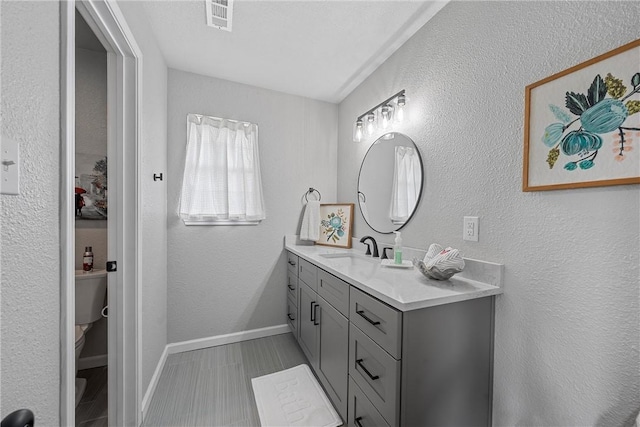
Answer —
350 255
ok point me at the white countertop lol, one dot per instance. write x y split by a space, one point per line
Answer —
403 289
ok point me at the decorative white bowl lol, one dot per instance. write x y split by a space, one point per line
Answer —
434 272
439 263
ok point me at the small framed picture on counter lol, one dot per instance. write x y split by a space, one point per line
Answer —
336 221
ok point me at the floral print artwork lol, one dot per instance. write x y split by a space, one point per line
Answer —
582 124
597 115
335 225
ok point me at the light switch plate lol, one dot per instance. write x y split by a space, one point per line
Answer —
9 167
470 228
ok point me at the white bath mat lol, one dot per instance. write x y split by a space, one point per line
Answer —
293 397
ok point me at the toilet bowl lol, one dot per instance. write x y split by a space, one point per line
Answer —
91 292
81 383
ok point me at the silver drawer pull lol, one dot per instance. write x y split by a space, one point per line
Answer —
361 313
289 316
366 371
358 423
291 262
291 287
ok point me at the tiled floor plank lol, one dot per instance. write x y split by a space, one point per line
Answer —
212 386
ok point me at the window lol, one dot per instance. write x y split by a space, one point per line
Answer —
221 183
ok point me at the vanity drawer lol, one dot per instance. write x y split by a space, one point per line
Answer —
308 273
376 372
380 322
292 286
335 291
362 410
292 316
292 263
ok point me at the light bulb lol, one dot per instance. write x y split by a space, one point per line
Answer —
399 116
357 133
371 118
385 112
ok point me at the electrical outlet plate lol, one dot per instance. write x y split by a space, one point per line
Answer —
470 228
9 167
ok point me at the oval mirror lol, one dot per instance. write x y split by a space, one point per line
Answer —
390 182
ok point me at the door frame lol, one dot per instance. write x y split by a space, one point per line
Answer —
124 62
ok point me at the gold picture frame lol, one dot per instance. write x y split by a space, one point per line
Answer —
573 116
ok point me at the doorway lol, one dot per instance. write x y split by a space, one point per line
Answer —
91 233
106 22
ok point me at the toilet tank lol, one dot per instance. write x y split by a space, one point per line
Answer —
91 294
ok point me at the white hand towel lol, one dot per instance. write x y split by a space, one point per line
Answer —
310 228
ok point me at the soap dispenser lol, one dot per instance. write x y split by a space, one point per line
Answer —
397 249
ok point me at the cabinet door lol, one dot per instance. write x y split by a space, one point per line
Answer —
292 263
308 273
376 373
333 365
362 413
334 291
308 324
292 286
292 317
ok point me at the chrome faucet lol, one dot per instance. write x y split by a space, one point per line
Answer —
373 242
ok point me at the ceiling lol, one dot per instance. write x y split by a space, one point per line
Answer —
321 49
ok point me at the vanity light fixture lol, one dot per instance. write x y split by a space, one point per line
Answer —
381 116
358 130
371 123
401 102
386 112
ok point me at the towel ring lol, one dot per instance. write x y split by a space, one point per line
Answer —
311 191
363 198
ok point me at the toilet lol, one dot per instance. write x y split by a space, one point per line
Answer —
91 293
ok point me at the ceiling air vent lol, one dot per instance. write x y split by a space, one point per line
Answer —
219 14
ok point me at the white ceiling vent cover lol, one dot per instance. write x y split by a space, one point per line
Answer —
219 14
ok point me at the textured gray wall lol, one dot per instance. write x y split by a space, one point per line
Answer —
567 327
30 331
225 279
30 223
153 209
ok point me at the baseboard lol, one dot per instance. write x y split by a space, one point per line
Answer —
92 361
200 343
146 400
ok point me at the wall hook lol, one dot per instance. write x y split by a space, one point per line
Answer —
8 163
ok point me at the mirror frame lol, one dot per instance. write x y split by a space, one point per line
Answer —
421 183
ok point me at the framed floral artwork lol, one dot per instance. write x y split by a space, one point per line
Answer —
582 125
336 221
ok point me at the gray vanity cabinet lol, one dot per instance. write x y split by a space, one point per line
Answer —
323 331
292 263
333 338
308 332
384 367
292 293
424 367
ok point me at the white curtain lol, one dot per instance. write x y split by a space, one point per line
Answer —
407 179
221 172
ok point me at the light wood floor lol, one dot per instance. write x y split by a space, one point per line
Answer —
212 386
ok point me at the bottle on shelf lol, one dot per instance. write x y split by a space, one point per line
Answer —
87 259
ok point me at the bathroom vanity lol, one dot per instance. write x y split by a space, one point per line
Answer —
389 346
